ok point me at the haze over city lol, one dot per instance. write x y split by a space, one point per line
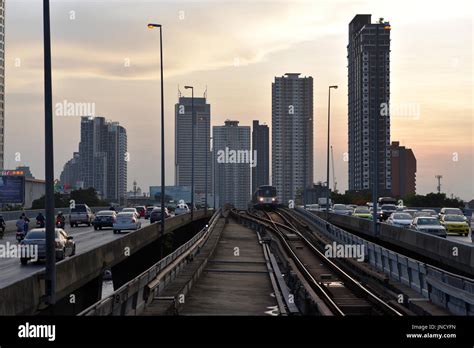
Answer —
105 55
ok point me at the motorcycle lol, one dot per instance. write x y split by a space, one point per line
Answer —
60 223
40 223
20 235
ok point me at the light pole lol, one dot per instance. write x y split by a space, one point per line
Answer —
192 149
327 167
50 278
213 175
205 186
152 26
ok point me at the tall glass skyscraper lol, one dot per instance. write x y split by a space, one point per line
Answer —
2 82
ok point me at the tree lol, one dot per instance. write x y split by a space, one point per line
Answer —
432 200
87 196
58 202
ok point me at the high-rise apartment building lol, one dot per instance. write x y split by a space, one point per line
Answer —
403 170
368 54
101 160
292 135
233 160
260 146
183 144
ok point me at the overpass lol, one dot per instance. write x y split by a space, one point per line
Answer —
79 278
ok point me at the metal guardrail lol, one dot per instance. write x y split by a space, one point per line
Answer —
132 297
450 291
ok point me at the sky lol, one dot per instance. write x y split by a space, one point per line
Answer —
104 55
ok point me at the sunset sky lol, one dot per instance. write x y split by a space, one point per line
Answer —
236 49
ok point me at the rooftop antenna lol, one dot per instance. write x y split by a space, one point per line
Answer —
179 92
205 93
439 177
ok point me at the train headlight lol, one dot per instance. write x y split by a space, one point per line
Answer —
273 199
261 199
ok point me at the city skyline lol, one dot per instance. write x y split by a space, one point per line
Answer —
84 71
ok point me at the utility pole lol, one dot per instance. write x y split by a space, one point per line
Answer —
439 177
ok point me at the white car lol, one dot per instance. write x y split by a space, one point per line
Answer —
312 207
429 225
341 209
126 221
432 212
400 219
181 209
131 210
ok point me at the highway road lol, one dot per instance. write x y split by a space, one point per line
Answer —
86 238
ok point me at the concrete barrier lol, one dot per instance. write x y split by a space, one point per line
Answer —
24 297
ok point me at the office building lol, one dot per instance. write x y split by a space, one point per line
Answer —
292 135
183 144
260 146
368 55
2 83
403 170
233 159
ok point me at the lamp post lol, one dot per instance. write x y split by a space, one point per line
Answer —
50 273
152 26
327 166
213 174
192 149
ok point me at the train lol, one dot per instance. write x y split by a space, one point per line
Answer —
265 197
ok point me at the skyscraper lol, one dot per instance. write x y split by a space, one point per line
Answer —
260 146
403 170
292 135
233 159
368 54
183 145
101 160
2 82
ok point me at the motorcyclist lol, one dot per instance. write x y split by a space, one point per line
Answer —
26 225
112 208
40 220
60 220
20 228
2 226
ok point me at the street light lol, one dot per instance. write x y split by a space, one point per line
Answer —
192 149
327 167
50 276
152 26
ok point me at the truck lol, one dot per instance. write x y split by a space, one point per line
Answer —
80 214
322 203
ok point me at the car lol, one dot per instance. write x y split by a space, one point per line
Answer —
362 212
412 212
455 224
400 219
312 207
141 210
431 211
126 221
155 215
422 214
341 209
352 206
80 214
131 210
148 211
386 210
181 209
451 211
104 218
428 224
36 238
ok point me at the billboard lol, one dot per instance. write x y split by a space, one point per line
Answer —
12 189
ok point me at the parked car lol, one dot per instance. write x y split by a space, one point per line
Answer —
386 210
341 209
429 225
104 218
181 209
141 210
400 219
451 211
126 221
362 212
80 214
455 224
155 215
64 243
131 210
